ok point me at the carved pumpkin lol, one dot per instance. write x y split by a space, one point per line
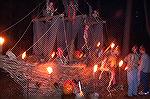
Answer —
68 87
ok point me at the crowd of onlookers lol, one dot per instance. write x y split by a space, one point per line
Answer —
137 66
138 71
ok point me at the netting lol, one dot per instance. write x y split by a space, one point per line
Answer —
34 78
89 68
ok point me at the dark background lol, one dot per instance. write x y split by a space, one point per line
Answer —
113 11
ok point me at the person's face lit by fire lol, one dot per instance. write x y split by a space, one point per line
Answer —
134 49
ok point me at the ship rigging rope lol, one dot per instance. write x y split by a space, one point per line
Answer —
26 29
43 34
47 32
90 48
65 34
22 18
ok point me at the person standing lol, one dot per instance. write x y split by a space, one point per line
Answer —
144 69
132 64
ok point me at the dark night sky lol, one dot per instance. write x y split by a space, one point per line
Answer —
113 11
139 32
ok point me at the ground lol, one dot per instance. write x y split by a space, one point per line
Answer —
9 88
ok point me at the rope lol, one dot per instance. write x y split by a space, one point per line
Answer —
42 35
21 19
65 34
21 36
89 48
26 30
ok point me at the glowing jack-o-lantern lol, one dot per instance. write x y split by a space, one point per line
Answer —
68 87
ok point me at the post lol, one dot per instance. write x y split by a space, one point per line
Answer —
126 38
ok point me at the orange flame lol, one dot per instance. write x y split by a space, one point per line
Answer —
24 55
81 93
112 45
80 86
117 48
95 68
1 41
81 54
126 68
98 44
50 70
120 63
53 54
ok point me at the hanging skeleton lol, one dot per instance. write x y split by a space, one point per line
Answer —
50 8
85 36
109 64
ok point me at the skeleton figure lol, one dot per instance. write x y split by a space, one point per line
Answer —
50 8
85 36
95 14
109 64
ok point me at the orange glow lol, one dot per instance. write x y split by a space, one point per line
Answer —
98 44
50 70
68 87
112 45
53 54
80 86
103 68
24 55
120 63
81 93
1 40
81 54
95 68
117 48
78 54
41 69
103 62
126 68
